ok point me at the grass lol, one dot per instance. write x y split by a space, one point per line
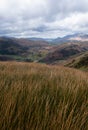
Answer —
41 97
79 62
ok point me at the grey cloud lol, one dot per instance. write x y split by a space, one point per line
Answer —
43 18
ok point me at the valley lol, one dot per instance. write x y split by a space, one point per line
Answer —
44 50
43 65
43 85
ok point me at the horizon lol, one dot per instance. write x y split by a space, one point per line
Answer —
48 38
43 19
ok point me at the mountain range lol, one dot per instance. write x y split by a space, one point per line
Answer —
67 38
49 51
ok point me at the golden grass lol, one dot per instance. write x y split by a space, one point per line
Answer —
41 97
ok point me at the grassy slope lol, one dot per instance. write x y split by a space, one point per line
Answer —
80 62
40 97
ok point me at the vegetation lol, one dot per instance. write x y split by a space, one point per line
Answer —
42 97
79 62
12 49
64 52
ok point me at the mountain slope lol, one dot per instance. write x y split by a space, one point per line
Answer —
80 62
22 49
30 43
79 37
64 51
9 47
42 51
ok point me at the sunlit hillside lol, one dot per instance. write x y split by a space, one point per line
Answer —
41 97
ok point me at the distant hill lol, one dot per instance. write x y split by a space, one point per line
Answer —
43 50
22 49
41 39
30 43
9 47
74 37
68 38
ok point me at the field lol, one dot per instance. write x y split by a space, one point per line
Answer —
41 97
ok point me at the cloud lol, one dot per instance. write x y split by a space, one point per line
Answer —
43 18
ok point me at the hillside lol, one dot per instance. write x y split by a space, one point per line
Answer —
80 62
65 51
42 97
22 49
77 37
9 47
30 43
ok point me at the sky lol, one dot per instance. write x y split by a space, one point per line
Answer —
43 18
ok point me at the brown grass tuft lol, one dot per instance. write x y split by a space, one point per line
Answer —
40 97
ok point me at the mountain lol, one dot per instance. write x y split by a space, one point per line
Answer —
22 49
8 46
79 37
74 37
38 50
41 39
65 51
30 43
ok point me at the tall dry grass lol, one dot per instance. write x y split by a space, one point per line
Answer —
41 97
